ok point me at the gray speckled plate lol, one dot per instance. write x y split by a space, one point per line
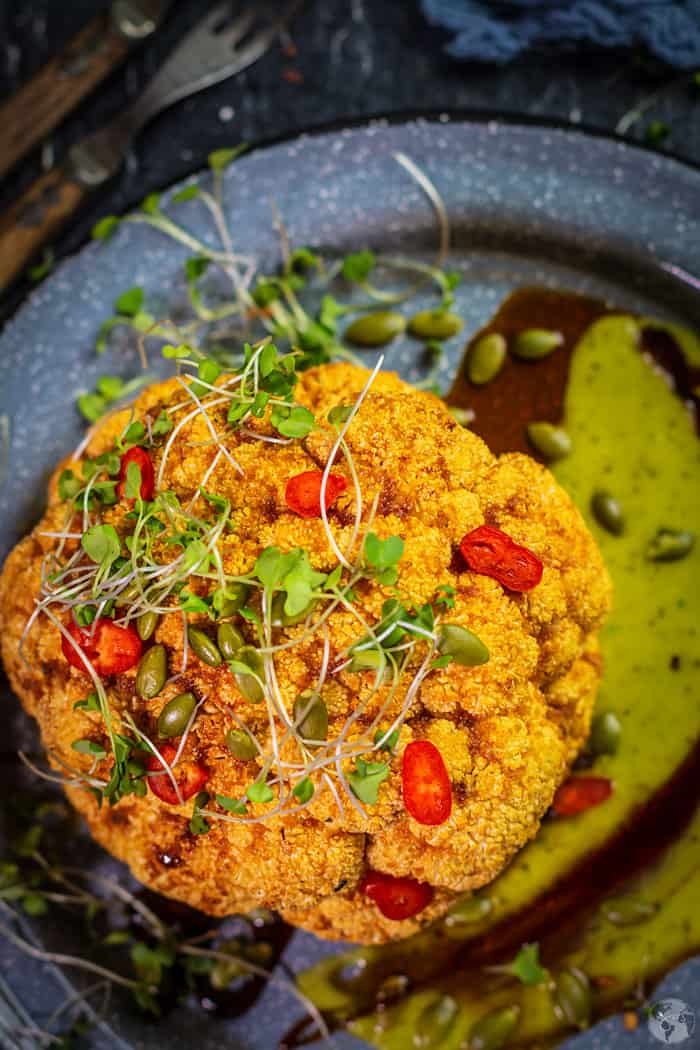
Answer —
528 204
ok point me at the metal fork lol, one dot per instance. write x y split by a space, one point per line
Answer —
219 46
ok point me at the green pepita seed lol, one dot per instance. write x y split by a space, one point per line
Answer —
376 329
572 996
434 1023
670 545
463 646
314 725
485 359
241 744
628 912
493 1030
203 646
236 597
146 625
608 512
280 618
249 685
461 918
550 441
536 343
366 660
605 734
152 672
229 640
434 324
174 717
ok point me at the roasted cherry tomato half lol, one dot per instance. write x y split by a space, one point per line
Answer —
148 478
491 552
396 898
303 492
427 791
190 776
109 648
578 794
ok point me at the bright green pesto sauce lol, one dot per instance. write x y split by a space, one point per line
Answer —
634 437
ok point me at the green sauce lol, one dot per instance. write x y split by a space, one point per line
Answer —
632 436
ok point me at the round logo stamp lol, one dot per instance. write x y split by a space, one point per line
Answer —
671 1021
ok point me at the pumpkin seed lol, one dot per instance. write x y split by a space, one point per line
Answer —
174 717
434 324
461 918
463 646
435 1022
229 640
670 545
535 343
367 660
282 619
550 441
235 598
605 734
152 672
241 744
485 359
203 646
247 682
146 625
628 912
493 1030
376 329
608 512
572 996
314 724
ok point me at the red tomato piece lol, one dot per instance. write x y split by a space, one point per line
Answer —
396 898
578 794
190 776
427 791
109 648
491 552
303 492
143 462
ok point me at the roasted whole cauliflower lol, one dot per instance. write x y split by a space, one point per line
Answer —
261 637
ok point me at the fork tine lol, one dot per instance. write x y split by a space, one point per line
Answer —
215 15
260 42
239 27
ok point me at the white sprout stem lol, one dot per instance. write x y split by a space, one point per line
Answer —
331 459
173 434
186 733
215 437
431 192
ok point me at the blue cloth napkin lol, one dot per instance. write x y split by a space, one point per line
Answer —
497 31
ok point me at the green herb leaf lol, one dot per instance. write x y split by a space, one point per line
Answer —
366 779
526 966
68 485
294 422
391 741
446 596
35 904
186 194
110 387
132 484
104 229
220 159
151 204
196 267
304 790
101 544
358 266
232 805
192 603
339 415
198 825
259 792
657 132
91 406
90 703
162 425
42 269
383 554
129 303
134 434
89 747
175 352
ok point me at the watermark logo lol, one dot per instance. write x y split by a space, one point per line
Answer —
671 1021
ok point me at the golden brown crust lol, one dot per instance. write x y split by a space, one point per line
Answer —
508 730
